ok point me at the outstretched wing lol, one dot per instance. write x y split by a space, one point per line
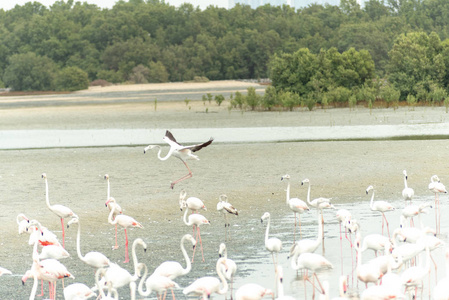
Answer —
171 137
195 148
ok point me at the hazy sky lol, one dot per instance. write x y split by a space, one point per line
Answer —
8 4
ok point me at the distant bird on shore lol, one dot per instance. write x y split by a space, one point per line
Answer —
407 193
380 206
225 208
179 151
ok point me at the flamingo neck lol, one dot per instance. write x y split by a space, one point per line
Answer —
308 195
47 200
372 200
100 288
113 222
186 257
185 217
108 191
405 181
134 256
166 156
78 242
280 286
33 291
288 191
320 229
224 290
267 230
142 280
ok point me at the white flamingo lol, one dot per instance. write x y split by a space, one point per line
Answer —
413 210
100 286
173 269
273 245
441 290
22 222
208 285
407 193
231 266
413 276
125 222
437 187
157 283
307 245
177 150
296 205
93 259
110 203
197 220
366 272
41 234
60 210
225 208
280 285
380 206
252 291
78 291
192 203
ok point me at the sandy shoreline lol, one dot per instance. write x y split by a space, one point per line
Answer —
248 174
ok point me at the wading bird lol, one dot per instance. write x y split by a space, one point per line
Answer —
110 203
380 206
437 187
177 150
273 245
225 208
407 193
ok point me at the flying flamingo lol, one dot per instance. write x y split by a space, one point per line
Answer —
77 291
380 206
296 205
437 187
177 150
192 203
22 222
230 264
208 285
273 245
224 207
60 210
110 203
173 269
407 193
197 220
252 291
93 259
124 221
315 263
157 283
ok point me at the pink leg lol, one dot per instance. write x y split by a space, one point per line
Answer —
126 249
63 233
201 244
42 289
388 228
194 248
294 232
341 250
182 178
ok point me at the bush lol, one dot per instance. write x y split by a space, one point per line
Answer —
157 72
111 76
411 100
289 100
437 94
238 100
139 74
269 99
72 79
252 99
389 94
339 95
219 99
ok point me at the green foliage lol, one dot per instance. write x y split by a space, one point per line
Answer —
157 72
411 100
438 94
238 100
110 76
30 72
389 94
219 99
310 101
269 99
71 79
139 74
186 101
339 95
289 100
252 99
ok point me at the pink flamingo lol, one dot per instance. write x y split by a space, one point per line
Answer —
197 220
60 210
437 187
177 150
157 283
125 222
78 291
192 203
380 206
22 222
407 193
110 202
252 291
225 208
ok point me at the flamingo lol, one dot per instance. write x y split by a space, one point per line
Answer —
230 264
177 150
93 259
343 216
343 288
296 205
413 276
380 206
208 285
224 207
252 291
367 272
78 291
60 210
315 263
192 203
280 285
307 245
375 242
100 287
42 234
110 203
157 283
412 210
437 187
4 271
22 222
117 277
441 290
173 269
197 220
273 245
124 221
53 251
407 193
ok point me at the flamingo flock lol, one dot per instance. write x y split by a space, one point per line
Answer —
404 258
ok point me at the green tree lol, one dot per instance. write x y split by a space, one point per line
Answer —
252 99
71 79
30 72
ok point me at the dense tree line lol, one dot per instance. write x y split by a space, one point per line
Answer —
386 47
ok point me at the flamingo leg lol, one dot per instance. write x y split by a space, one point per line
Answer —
341 250
126 249
172 294
201 243
42 289
182 178
386 221
294 232
63 233
194 248
116 244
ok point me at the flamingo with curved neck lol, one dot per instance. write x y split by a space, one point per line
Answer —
110 203
273 245
380 206
196 220
208 285
157 283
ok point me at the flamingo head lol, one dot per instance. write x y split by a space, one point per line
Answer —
222 249
106 176
265 216
305 181
286 176
369 189
149 147
405 173
72 221
44 175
